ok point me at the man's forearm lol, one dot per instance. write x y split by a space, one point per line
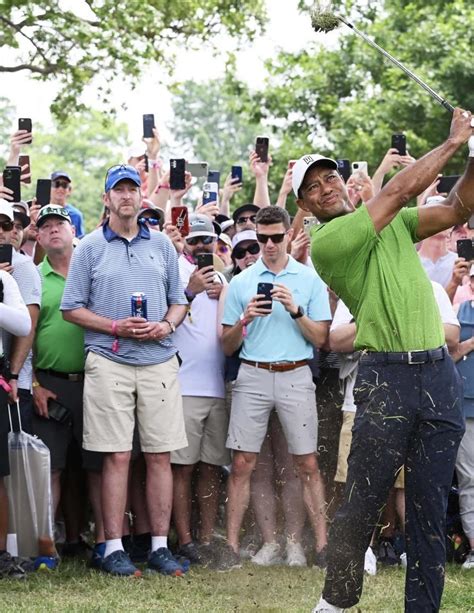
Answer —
21 345
232 338
261 197
463 349
342 338
176 313
316 332
87 319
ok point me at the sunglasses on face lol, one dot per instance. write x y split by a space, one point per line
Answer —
7 226
195 240
151 221
222 248
240 252
276 238
63 184
242 220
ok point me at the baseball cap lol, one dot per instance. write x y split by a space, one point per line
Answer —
225 225
246 235
304 164
60 174
120 172
52 210
200 225
6 209
225 238
158 213
245 207
22 212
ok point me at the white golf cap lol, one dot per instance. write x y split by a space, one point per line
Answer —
245 235
304 164
6 209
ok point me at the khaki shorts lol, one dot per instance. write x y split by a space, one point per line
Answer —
345 439
257 392
114 393
207 421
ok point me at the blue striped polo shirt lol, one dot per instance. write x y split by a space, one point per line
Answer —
106 269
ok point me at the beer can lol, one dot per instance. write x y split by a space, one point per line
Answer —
139 305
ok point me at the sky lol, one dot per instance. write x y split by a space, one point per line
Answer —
286 29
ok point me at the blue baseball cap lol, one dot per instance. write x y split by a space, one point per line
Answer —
60 174
121 172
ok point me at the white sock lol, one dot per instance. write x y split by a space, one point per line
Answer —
324 605
157 542
470 142
112 545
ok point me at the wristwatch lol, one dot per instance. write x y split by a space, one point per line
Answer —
299 313
171 324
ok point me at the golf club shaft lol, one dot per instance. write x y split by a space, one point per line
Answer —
408 72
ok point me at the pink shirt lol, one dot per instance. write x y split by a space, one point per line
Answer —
463 293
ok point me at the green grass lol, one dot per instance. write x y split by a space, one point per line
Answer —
277 589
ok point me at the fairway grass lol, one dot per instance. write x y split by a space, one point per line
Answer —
276 589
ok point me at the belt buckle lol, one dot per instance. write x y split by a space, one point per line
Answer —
412 356
270 367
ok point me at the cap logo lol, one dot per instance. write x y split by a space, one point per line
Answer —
308 159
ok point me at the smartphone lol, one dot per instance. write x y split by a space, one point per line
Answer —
180 219
58 412
465 248
177 170
446 184
265 289
236 173
360 167
308 223
399 142
204 259
261 148
43 191
344 168
214 176
197 169
6 254
470 223
11 179
148 125
24 123
24 160
210 192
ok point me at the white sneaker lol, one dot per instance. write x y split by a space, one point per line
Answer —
469 562
324 607
370 562
295 554
268 555
403 559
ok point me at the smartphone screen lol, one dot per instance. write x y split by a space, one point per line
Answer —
180 219
236 173
261 148
204 259
148 125
265 289
43 191
177 177
24 123
214 176
11 179
6 254
399 142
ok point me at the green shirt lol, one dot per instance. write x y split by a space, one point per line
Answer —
59 345
380 279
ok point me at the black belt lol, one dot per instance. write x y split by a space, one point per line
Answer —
404 357
70 376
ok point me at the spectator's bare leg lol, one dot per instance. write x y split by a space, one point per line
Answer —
182 501
238 493
137 493
159 492
114 492
94 481
313 495
263 492
208 486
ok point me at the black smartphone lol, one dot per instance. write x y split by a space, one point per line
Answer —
214 176
58 412
148 125
446 184
465 248
399 142
204 259
345 169
6 254
236 173
24 160
261 148
43 191
12 180
177 170
265 289
24 123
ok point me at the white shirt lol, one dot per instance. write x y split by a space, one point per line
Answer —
14 316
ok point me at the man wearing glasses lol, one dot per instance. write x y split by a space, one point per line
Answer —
60 192
131 369
244 217
276 339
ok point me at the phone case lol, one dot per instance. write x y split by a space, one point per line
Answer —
148 125
197 169
22 161
214 176
180 219
399 142
236 173
11 179
465 248
446 184
177 177
265 288
205 259
25 123
43 191
6 254
261 148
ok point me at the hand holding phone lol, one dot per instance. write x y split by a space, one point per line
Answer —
180 219
12 180
204 260
148 125
25 168
261 148
25 123
236 174
177 174
399 142
265 292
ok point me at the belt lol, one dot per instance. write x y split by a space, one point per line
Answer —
277 366
70 376
404 357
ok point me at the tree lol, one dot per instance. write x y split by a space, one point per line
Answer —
113 37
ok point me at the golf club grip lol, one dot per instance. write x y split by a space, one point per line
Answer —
397 63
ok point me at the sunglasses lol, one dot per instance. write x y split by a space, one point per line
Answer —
7 226
63 184
222 248
195 240
151 221
242 220
276 238
240 252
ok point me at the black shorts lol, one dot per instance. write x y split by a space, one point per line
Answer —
4 429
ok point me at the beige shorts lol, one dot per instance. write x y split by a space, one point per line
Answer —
345 439
115 393
207 421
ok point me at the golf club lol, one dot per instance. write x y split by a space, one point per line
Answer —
323 20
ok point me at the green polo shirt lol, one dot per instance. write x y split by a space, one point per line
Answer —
59 345
380 279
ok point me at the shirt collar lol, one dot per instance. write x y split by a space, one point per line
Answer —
290 268
46 267
110 235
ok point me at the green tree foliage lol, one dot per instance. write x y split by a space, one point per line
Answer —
115 38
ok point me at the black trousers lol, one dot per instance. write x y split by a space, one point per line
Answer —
411 415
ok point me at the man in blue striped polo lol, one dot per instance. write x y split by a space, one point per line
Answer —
131 366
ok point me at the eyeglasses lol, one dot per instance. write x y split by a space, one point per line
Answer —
63 184
195 240
240 252
276 238
151 221
222 248
7 226
244 219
